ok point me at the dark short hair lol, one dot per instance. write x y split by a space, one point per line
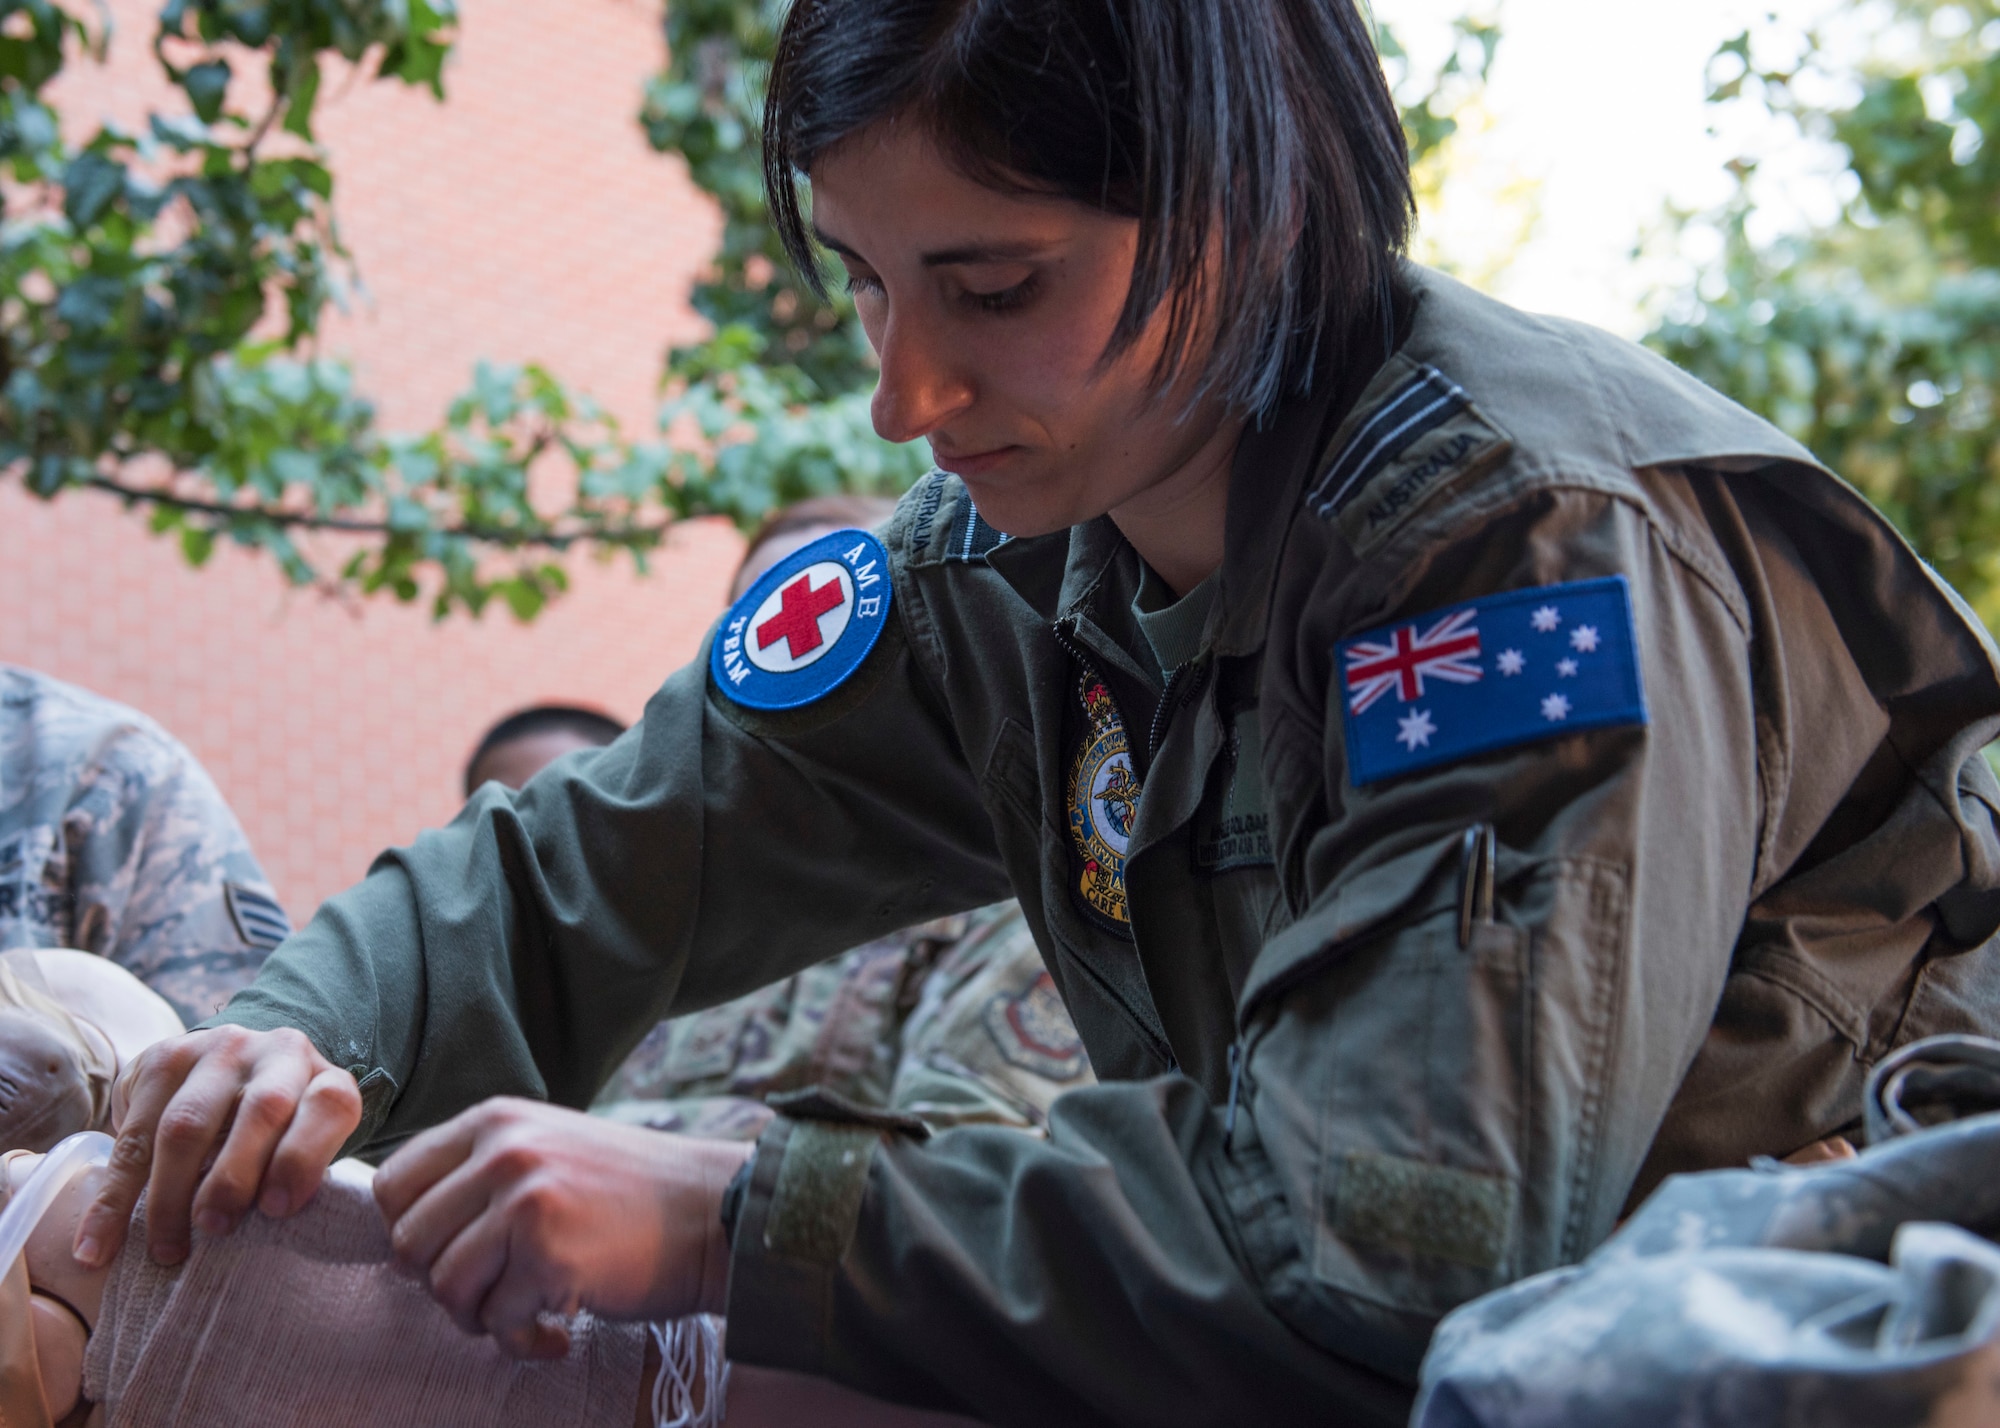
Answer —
587 724
860 511
1257 136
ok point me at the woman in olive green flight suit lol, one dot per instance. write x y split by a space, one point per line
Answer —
1457 769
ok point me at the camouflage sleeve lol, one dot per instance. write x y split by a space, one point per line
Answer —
162 878
990 1041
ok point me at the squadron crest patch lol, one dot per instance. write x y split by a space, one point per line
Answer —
1103 804
1032 1030
806 625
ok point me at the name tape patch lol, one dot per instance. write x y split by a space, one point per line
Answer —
1489 674
805 626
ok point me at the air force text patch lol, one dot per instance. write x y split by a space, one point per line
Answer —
1488 674
806 625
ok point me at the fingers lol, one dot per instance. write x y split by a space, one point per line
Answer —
443 1214
469 1269
216 1111
500 1253
148 1085
468 1207
327 1116
188 1131
262 1113
409 1174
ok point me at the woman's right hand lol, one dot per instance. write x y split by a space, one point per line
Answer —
211 1123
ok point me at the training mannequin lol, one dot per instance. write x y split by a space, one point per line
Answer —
69 1022
192 1344
136 1343
362 1343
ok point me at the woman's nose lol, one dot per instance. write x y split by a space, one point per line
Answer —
923 383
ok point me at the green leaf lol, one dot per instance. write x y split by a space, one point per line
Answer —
91 183
523 598
207 86
302 89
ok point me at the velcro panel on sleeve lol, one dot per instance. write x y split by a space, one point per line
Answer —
817 1201
1393 1203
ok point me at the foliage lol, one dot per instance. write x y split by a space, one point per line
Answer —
1433 101
1876 340
160 290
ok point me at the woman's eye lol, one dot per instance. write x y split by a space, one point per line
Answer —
1005 299
864 283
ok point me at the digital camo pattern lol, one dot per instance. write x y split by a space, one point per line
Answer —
955 1021
1855 1294
113 840
990 1041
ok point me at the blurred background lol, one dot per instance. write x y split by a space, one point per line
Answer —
373 368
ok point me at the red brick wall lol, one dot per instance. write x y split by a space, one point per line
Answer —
523 219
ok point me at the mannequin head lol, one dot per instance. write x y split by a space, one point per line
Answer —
45 1091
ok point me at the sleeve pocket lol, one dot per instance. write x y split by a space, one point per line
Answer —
1460 1075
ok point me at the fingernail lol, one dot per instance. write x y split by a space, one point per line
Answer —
88 1251
212 1222
168 1255
275 1203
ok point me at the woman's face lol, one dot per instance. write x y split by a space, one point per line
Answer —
990 312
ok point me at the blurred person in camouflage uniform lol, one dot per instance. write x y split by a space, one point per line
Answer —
953 1021
114 840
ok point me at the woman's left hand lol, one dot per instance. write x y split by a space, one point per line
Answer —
515 1208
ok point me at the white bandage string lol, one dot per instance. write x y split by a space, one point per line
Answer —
691 1365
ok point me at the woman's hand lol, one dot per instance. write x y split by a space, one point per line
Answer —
264 1106
514 1209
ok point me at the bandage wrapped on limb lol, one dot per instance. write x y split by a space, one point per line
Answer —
309 1320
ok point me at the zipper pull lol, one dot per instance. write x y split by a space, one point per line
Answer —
1235 1089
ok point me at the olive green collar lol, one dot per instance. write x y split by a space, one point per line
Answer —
1175 626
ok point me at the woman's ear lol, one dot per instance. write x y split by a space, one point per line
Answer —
23 1404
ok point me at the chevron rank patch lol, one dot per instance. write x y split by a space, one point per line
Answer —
258 918
1489 674
1402 450
806 625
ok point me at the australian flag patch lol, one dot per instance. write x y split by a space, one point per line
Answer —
1489 674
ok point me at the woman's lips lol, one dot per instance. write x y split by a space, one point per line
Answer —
975 463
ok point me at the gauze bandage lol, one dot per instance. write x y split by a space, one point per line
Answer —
308 1320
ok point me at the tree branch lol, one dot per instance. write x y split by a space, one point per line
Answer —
510 536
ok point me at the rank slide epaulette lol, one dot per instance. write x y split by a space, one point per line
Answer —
971 537
1406 448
